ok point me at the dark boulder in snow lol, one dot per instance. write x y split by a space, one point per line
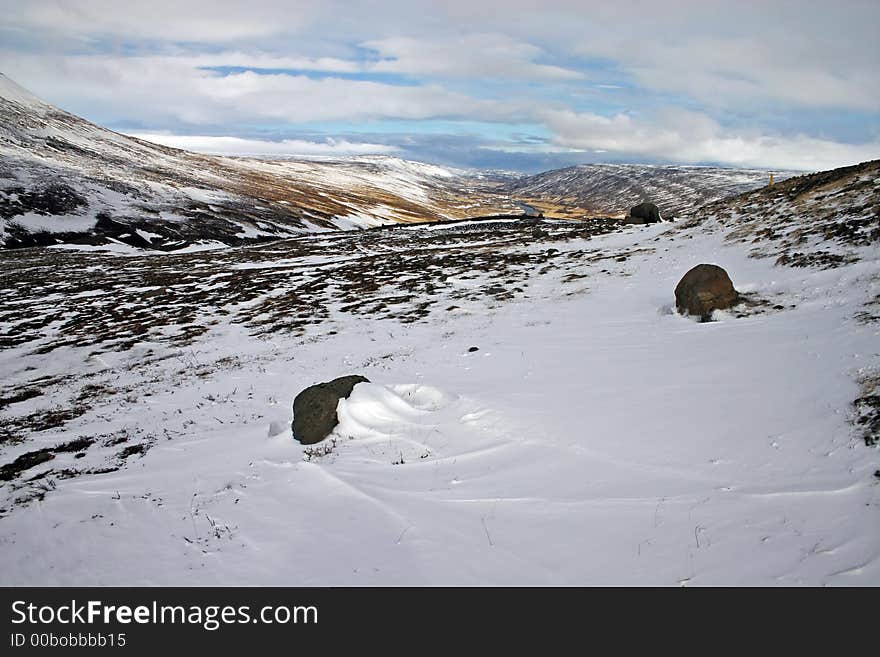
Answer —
643 213
314 409
703 289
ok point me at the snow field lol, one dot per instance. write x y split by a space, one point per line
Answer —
595 438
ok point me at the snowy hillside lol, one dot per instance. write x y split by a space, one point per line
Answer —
611 189
63 179
538 412
825 219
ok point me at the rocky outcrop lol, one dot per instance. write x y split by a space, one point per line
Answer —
703 289
53 199
643 213
314 409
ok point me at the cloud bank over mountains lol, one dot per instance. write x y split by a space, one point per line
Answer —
523 84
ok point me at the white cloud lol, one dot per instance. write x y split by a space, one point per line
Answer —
167 20
471 56
742 55
262 60
238 146
729 55
153 90
486 56
677 136
746 62
741 71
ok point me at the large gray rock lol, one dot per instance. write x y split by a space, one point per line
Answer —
314 409
643 213
703 289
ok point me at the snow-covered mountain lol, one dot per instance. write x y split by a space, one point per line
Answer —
611 189
64 179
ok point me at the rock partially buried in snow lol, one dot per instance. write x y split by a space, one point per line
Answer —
314 409
703 289
643 213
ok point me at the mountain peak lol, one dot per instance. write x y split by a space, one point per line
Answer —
13 92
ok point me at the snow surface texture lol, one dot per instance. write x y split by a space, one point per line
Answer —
595 437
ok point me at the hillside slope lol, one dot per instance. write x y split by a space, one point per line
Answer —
823 219
611 189
64 179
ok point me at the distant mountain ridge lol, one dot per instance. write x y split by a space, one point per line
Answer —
611 189
64 179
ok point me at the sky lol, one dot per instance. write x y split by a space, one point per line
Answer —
513 84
